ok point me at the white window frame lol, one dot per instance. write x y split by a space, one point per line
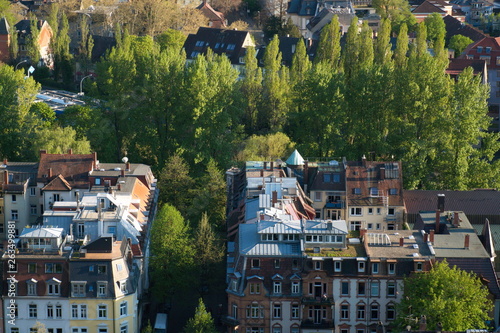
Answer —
277 287
356 211
295 287
337 266
124 308
102 311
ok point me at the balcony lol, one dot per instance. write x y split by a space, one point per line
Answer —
335 204
229 321
318 300
311 324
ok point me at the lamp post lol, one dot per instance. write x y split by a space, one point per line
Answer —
81 84
15 68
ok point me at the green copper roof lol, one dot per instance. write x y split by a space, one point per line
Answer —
295 159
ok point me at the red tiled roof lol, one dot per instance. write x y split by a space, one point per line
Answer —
427 7
73 167
57 184
217 18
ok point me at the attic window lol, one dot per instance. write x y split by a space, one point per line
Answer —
479 49
230 47
200 43
488 49
194 54
217 45
356 190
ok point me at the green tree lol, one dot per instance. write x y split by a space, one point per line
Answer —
172 255
210 197
351 49
202 322
148 328
365 47
32 41
329 44
85 45
171 38
450 296
176 184
459 43
57 140
301 64
209 253
265 147
400 54
44 112
251 89
397 11
383 53
435 27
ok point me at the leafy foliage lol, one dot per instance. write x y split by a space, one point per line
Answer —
202 322
450 296
459 43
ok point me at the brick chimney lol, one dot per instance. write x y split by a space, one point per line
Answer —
438 220
6 177
262 172
43 152
402 241
262 217
306 172
431 236
426 237
271 165
95 160
70 151
467 241
265 165
456 220
440 205
122 173
363 160
274 197
127 166
50 173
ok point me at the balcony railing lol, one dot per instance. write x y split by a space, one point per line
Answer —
318 300
323 324
229 321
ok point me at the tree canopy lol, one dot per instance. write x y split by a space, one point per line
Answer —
447 295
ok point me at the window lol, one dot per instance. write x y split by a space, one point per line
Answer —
488 49
103 330
53 288
124 328
101 289
295 311
78 289
390 211
59 311
276 310
295 287
234 284
200 43
356 190
391 312
53 268
378 211
97 181
370 211
418 266
101 269
487 59
112 230
374 312
337 266
276 263
361 266
498 63
31 284
295 264
230 47
78 311
392 268
123 286
479 49
14 198
14 215
393 191
255 263
375 268
369 226
102 311
32 268
317 196
336 178
360 313
277 329
295 330
254 288
255 311
391 288
344 288
32 311
123 309
344 311
50 311
269 237
276 287
361 289
373 191
317 265
32 191
356 211
375 289
33 210
57 197
33 330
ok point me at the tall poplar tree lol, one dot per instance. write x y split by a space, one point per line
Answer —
383 52
251 89
329 44
301 64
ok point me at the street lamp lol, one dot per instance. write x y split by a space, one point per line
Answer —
15 68
81 84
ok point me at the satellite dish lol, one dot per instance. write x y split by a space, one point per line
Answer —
125 159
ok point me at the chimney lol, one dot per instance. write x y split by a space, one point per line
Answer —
426 237
95 160
467 241
438 219
6 177
402 241
306 172
4 161
456 220
262 217
382 173
363 160
50 172
274 197
118 187
262 172
265 165
431 236
441 202
43 152
272 165
127 166
70 151
122 173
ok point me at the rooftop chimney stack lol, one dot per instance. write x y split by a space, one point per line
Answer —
438 220
274 197
363 160
6 177
50 172
431 236
382 173
467 241
402 241
426 237
127 166
265 165
272 165
456 220
43 151
306 172
70 151
262 217
95 160
441 198
262 172
122 173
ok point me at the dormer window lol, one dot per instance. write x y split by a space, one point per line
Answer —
200 43
31 285
488 49
54 287
269 237
373 191
479 49
356 190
